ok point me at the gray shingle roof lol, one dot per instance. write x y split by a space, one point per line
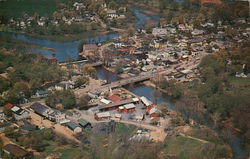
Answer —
72 125
39 108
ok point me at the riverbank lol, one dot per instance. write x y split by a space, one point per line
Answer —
59 38
150 10
69 37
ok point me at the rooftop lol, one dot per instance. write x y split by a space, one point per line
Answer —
15 150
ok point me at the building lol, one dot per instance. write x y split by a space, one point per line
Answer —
117 44
47 112
120 109
41 94
197 32
88 49
111 14
105 101
149 105
16 151
51 59
27 127
20 113
84 124
154 113
74 127
138 116
118 116
128 108
104 128
102 116
159 32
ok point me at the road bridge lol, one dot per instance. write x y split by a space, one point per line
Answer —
122 82
80 62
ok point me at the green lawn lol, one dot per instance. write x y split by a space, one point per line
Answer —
240 82
124 129
68 153
181 147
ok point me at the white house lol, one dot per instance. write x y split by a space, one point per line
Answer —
159 31
111 14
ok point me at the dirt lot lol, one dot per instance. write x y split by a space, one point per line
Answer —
59 129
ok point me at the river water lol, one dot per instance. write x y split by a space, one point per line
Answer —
63 50
68 50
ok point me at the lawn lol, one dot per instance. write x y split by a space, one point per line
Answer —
181 147
68 153
122 129
239 82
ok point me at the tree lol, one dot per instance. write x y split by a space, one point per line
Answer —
119 68
81 81
89 70
84 101
69 100
9 131
113 5
8 112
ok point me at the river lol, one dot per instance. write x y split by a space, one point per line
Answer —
63 50
68 50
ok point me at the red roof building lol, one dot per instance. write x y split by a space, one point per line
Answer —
9 106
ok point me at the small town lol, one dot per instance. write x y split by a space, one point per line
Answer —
109 78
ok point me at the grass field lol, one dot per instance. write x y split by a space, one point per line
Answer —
16 8
124 129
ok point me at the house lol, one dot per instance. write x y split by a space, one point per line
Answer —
16 151
149 105
129 108
105 101
111 14
159 32
118 116
88 49
47 112
181 27
51 59
102 116
20 113
104 128
27 127
74 127
117 44
120 109
92 95
2 115
41 94
9 106
154 113
85 124
40 109
197 32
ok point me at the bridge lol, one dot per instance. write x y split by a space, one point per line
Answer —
122 82
79 62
